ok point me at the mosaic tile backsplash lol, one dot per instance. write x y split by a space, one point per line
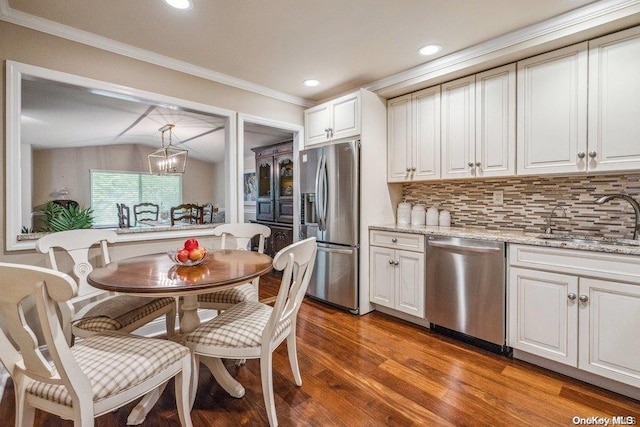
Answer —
528 201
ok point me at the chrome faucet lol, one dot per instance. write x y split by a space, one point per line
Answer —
634 205
548 230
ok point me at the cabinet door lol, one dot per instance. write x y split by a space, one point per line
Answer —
345 116
609 325
495 151
281 237
410 282
458 128
399 139
317 121
426 134
381 276
264 199
552 112
284 188
614 109
542 319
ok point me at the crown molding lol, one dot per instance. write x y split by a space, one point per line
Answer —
64 31
554 29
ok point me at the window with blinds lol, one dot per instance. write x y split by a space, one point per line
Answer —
109 188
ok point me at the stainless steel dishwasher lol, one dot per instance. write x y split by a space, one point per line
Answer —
466 287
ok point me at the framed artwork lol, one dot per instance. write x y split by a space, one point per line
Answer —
250 188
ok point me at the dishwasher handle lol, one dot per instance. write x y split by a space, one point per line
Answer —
466 248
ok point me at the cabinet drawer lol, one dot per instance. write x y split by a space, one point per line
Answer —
390 239
584 263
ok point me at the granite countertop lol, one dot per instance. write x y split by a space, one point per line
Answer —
511 236
132 230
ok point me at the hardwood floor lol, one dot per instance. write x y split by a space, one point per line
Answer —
374 370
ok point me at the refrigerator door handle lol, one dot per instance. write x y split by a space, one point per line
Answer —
337 251
325 192
319 198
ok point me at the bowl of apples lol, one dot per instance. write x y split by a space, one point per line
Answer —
190 254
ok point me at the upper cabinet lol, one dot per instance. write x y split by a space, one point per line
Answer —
479 125
614 109
552 112
413 126
336 119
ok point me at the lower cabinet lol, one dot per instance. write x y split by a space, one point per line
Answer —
397 276
281 237
578 308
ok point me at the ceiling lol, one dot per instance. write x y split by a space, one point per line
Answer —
276 44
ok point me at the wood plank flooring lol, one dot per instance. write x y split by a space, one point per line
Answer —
374 370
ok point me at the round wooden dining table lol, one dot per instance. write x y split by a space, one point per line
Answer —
157 275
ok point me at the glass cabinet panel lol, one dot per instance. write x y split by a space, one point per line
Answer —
264 180
285 168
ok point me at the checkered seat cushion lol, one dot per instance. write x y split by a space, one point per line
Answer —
235 295
106 322
240 326
114 363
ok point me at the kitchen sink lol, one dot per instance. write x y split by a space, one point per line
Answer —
589 240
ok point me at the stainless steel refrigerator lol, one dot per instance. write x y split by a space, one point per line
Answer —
330 211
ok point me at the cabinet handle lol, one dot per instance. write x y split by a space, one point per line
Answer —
394 240
581 154
408 169
584 298
592 154
478 164
572 296
413 169
470 164
396 262
390 262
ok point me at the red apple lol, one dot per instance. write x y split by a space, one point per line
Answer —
197 254
191 244
182 255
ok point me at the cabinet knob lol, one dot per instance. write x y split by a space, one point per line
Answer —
592 154
394 240
478 164
408 169
584 298
390 262
470 164
572 296
581 154
413 169
396 262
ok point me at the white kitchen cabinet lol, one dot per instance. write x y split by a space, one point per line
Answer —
541 318
397 274
458 128
479 125
552 112
333 120
413 144
614 109
578 308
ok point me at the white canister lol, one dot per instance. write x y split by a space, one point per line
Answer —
445 218
418 215
403 215
432 216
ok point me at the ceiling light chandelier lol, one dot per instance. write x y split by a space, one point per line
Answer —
168 160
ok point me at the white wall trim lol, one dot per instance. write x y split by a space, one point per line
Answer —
56 29
298 137
566 25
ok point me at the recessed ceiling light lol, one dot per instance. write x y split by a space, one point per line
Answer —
311 82
430 49
180 4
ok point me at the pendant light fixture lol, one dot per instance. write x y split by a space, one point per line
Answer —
168 160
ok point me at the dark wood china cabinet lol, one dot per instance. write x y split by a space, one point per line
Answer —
274 201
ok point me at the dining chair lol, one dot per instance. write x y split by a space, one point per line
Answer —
236 236
187 213
124 215
207 213
109 312
253 330
80 382
145 212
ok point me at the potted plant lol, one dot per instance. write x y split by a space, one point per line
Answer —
60 218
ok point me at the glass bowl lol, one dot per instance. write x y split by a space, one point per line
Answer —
173 255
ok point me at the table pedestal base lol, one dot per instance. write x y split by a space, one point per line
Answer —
222 376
